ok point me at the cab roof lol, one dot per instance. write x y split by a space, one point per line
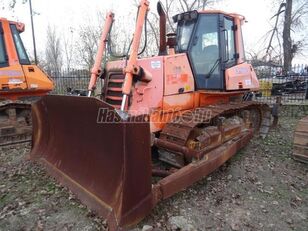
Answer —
20 26
194 14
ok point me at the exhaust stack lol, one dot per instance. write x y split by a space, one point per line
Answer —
162 29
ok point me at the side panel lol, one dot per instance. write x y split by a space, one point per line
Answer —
37 79
173 105
18 81
178 75
179 89
178 102
171 89
241 77
12 78
212 97
146 96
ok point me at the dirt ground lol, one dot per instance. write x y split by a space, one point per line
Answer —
261 188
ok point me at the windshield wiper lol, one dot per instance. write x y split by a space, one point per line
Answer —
208 75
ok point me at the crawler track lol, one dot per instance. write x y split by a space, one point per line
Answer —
196 132
15 122
300 146
179 132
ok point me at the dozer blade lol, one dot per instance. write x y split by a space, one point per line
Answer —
103 159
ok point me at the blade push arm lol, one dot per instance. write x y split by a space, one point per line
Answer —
96 70
132 67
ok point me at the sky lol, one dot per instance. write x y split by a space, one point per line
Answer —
67 15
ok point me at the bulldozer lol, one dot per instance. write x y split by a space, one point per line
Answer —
161 123
21 83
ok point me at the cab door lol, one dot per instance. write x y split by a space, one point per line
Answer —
205 52
212 50
12 76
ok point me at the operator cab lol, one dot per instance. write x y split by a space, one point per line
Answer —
208 38
6 52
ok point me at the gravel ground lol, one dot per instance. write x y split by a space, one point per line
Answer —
261 188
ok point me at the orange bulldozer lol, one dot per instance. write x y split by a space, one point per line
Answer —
161 122
21 83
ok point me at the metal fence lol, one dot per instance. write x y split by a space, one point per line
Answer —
267 71
293 87
69 82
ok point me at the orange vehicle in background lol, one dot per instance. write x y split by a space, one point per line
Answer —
20 84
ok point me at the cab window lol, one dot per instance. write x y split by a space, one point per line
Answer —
22 55
3 55
185 31
229 41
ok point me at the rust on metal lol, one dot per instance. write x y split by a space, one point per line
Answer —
162 29
160 172
194 171
107 165
180 142
15 123
300 146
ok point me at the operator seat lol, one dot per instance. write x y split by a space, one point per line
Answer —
210 54
205 59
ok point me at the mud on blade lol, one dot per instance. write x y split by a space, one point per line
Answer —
107 165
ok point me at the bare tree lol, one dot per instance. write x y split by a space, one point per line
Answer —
288 54
69 48
10 4
258 59
154 29
295 13
53 51
121 36
171 7
87 45
193 4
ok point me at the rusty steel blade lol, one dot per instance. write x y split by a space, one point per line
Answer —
107 165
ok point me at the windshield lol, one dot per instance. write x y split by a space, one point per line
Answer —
3 57
185 30
22 55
